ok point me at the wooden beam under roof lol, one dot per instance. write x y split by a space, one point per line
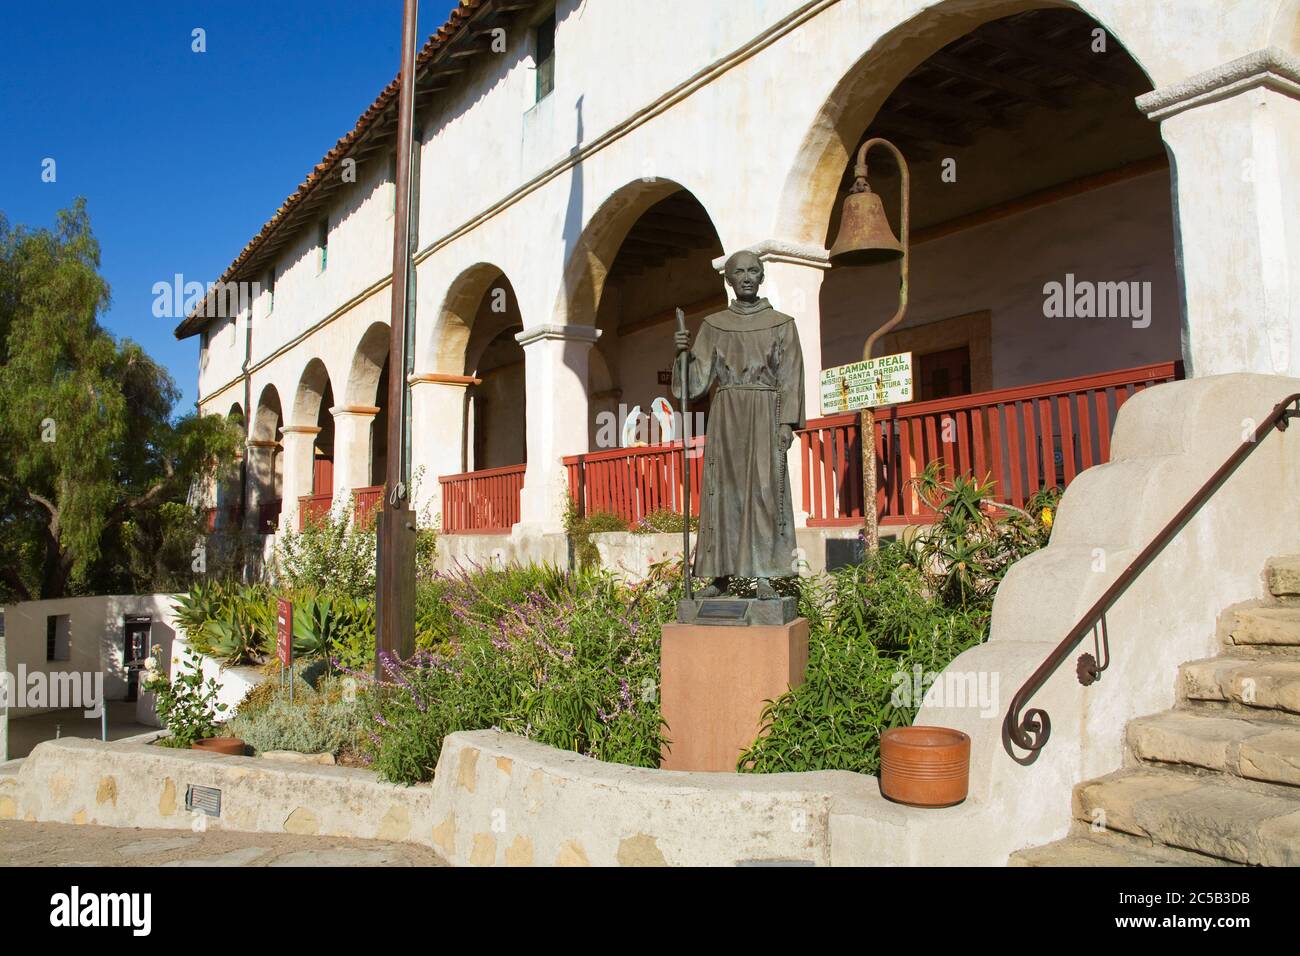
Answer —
668 225
693 239
1048 54
952 134
935 100
1022 89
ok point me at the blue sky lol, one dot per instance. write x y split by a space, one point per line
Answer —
182 156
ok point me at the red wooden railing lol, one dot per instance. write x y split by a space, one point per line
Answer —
481 502
634 482
364 503
314 507
1024 438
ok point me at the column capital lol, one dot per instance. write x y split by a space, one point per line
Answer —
782 250
1272 68
360 411
254 444
442 378
300 430
564 333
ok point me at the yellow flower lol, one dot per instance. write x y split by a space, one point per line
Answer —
1046 517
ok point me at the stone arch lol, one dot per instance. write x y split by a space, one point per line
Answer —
309 400
268 418
450 336
813 182
368 363
589 263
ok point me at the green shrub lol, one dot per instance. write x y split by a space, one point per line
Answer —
329 554
580 528
879 621
664 521
187 705
326 717
910 608
570 660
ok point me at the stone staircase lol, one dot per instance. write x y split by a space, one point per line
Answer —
1216 780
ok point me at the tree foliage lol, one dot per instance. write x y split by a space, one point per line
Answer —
96 473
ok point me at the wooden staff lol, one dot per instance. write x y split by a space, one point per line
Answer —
686 461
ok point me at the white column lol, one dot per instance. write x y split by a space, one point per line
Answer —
555 371
792 281
1234 133
352 449
437 433
299 443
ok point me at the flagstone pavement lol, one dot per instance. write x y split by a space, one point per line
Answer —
60 844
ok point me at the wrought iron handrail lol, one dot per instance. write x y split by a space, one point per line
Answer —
1031 731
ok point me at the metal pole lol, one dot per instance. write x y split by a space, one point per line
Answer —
871 519
686 462
395 561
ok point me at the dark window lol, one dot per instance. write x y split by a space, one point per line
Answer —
545 56
323 239
270 291
58 637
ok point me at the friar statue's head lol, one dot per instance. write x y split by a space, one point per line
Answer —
744 273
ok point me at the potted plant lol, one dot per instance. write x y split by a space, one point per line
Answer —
188 705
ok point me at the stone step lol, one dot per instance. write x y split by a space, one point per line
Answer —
1083 851
1258 683
1263 750
1265 627
1206 815
1283 575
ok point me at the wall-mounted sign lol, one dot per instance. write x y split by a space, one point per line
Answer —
665 376
886 380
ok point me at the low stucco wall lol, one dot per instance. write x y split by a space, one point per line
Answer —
497 799
630 556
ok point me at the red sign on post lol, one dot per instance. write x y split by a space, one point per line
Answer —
284 631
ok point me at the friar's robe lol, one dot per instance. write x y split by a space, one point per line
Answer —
749 355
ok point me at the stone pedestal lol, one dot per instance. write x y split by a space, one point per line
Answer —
714 683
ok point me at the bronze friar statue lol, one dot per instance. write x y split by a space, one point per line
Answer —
749 356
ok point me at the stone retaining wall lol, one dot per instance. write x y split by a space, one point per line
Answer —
497 800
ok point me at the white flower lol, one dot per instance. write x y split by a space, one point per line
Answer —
151 664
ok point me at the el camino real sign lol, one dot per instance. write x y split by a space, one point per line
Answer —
886 380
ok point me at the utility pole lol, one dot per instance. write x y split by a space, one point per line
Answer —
395 539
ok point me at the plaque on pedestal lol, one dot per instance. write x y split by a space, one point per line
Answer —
731 611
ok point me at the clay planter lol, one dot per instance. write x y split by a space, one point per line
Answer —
924 766
220 745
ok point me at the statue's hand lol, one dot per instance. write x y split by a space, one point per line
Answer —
682 339
785 433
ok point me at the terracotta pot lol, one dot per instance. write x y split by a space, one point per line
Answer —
924 766
220 745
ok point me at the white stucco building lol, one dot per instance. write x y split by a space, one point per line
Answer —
584 165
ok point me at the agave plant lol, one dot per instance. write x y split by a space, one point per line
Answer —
975 539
